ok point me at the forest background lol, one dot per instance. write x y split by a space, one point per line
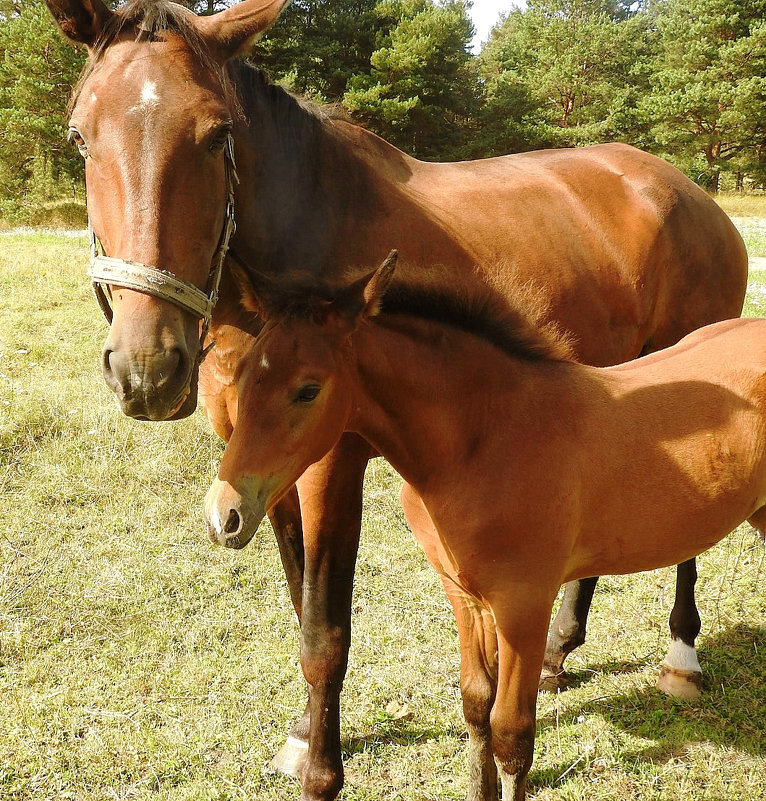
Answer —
685 79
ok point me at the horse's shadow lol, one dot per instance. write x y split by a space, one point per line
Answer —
729 713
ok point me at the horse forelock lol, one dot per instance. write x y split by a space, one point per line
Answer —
148 20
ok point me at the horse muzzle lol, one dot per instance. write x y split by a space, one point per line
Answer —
159 386
231 519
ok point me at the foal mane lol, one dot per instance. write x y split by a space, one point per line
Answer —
511 330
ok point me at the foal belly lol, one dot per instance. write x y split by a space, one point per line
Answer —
664 535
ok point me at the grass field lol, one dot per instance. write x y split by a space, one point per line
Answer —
137 661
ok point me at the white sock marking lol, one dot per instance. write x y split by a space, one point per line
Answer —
682 657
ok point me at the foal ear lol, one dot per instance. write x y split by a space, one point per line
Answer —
364 297
230 32
80 20
254 290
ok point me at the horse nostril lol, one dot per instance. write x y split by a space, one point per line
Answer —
106 364
233 524
175 364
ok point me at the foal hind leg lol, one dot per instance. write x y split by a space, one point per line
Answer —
478 682
681 675
567 631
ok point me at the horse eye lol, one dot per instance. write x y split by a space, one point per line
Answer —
219 140
308 393
75 136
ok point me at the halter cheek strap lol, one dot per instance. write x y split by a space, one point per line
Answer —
106 271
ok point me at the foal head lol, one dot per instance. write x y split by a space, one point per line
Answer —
152 116
295 397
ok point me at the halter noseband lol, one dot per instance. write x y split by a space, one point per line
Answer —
105 270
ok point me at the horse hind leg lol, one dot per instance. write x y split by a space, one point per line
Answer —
567 632
681 675
758 522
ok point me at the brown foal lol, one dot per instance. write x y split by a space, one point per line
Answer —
614 246
522 469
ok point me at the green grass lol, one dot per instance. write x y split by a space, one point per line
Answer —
137 661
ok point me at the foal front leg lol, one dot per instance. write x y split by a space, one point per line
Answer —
521 617
331 507
478 682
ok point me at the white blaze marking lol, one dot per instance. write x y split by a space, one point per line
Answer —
264 362
93 97
149 93
682 657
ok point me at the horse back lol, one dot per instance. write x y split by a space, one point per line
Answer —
614 246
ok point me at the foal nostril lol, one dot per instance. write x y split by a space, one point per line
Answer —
233 523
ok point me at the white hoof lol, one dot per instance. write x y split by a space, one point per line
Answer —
290 758
680 683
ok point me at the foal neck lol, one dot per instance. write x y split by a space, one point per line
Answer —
432 397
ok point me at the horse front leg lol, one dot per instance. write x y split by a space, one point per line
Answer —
285 519
331 507
681 674
478 682
567 631
521 616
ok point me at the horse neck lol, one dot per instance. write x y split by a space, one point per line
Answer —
429 396
301 184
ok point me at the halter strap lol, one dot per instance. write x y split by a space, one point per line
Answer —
106 271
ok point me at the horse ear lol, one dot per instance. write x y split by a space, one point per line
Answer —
364 297
254 289
80 20
230 32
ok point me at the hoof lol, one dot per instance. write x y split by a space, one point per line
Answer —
553 682
680 683
290 758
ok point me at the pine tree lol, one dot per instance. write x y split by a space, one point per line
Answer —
422 89
708 97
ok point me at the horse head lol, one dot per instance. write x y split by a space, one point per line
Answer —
295 391
153 116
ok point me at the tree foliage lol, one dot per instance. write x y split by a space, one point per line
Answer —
683 78
707 102
422 88
37 71
564 73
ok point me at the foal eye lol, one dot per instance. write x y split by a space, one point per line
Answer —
75 136
307 394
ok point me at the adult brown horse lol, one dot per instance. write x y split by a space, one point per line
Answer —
522 469
620 250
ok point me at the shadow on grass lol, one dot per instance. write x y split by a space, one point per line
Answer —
729 713
397 732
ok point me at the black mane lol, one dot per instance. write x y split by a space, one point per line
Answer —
483 315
